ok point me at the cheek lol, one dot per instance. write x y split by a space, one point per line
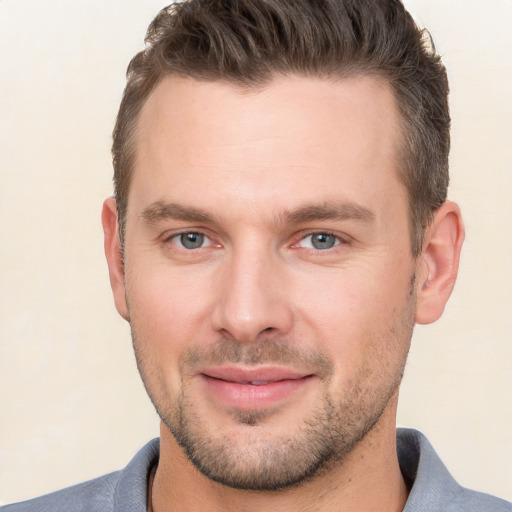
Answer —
166 317
169 299
347 299
360 319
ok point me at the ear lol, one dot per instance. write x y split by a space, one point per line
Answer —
114 255
438 264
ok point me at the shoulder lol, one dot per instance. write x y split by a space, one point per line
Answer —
94 495
122 491
433 488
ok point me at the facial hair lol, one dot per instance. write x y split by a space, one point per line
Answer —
263 461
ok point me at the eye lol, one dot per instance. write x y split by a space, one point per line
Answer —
319 241
191 240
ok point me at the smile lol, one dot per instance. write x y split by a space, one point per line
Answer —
253 389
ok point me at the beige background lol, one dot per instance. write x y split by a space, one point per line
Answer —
71 403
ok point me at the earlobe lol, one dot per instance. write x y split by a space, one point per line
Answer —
114 255
439 263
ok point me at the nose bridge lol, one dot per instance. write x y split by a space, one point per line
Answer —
252 298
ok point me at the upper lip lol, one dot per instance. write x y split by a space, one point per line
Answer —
244 375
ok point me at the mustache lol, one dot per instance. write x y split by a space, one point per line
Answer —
270 351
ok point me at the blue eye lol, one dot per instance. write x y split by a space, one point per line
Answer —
191 240
320 241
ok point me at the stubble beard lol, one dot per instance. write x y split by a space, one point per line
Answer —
263 462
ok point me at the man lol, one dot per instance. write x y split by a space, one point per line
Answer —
279 224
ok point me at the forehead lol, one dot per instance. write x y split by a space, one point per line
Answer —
295 137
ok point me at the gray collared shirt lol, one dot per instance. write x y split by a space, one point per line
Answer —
433 488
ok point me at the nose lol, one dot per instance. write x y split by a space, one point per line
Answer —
253 302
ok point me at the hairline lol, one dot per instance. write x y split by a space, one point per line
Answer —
403 150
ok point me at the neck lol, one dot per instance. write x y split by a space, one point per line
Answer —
368 480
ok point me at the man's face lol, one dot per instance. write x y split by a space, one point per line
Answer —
268 272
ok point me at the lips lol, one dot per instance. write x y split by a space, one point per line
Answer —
255 388
255 375
256 382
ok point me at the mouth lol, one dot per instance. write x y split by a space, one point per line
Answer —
255 388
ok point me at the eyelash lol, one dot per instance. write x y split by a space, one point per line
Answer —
339 240
175 236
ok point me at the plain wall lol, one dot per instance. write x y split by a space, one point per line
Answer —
71 403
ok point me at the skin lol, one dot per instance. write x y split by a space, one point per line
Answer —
257 174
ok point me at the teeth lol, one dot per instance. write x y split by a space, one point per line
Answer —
257 382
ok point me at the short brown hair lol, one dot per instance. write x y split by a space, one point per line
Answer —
249 42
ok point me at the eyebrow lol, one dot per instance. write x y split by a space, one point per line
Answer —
159 211
329 211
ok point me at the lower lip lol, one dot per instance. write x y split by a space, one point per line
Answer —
249 396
